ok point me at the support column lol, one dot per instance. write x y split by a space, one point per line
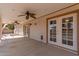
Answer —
0 29
18 29
78 31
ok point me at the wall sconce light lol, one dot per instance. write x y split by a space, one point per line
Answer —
35 23
30 24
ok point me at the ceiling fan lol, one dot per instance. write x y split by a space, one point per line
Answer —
28 15
16 22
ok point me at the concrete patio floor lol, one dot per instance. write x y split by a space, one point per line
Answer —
29 47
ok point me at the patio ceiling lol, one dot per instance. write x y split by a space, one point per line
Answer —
10 11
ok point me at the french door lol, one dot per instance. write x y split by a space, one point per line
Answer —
52 31
62 31
67 31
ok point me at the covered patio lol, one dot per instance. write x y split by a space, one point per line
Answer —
30 47
39 29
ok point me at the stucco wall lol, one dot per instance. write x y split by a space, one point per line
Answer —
37 29
40 28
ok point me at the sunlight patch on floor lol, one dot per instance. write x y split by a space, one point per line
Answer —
8 36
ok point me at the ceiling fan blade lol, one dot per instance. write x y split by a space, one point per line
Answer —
27 17
20 15
33 16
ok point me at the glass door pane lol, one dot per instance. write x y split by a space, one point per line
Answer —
53 30
67 31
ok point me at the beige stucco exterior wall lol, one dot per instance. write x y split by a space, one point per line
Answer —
40 28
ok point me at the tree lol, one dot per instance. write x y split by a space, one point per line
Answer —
10 26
